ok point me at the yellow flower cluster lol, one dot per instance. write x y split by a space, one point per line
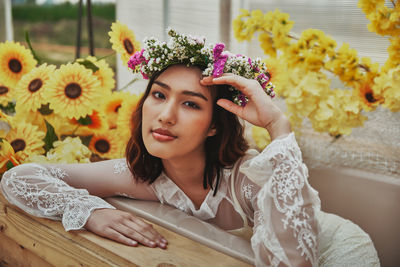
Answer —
384 20
275 22
53 103
70 150
300 67
387 86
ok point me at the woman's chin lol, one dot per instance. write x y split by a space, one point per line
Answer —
159 153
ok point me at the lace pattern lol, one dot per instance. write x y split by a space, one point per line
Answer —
43 194
120 166
283 207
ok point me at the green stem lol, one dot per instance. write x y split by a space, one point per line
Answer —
126 86
28 41
106 56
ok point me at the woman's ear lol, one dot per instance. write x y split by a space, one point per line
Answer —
212 131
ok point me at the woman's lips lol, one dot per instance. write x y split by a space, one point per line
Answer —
162 135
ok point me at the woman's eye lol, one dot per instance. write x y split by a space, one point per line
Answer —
191 105
159 95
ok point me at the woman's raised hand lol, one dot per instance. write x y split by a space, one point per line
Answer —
259 111
124 228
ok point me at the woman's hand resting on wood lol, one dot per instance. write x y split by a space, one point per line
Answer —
124 228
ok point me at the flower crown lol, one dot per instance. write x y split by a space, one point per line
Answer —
192 50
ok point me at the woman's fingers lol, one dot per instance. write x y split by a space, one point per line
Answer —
231 107
242 84
150 236
134 234
117 236
124 227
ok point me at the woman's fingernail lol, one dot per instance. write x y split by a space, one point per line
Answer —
152 243
133 243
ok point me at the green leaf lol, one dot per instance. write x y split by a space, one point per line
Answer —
28 41
85 121
88 64
9 109
50 137
9 165
86 139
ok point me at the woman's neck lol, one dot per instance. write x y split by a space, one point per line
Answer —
186 172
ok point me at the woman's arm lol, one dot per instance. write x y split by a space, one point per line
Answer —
285 226
69 192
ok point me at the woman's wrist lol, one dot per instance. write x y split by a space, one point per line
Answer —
279 127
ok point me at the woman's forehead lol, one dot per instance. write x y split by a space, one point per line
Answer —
182 77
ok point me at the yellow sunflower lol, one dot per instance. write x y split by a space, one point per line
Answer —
29 90
105 73
261 137
73 91
5 124
123 41
124 122
26 139
6 94
33 117
106 144
368 99
112 106
15 61
278 73
7 154
93 122
61 125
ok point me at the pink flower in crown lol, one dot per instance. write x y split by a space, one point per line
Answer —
254 67
136 59
263 79
218 48
219 60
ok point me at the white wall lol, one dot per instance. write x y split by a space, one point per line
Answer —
210 18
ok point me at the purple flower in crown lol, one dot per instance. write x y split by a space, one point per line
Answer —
263 79
136 59
219 60
242 99
254 67
218 48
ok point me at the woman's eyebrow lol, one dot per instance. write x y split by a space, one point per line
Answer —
186 92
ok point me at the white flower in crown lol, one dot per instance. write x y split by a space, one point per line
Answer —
192 50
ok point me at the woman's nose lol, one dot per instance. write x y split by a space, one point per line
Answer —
168 114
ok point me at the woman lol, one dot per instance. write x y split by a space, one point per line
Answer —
187 150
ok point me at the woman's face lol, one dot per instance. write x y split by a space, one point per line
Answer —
177 114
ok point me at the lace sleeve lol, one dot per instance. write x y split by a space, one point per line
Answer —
285 226
41 191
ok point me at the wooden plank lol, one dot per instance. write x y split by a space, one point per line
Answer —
49 241
13 254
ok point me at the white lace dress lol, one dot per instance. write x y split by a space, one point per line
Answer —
265 196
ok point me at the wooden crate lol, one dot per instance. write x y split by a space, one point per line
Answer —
26 240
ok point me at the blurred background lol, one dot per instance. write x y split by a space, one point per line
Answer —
375 147
53 24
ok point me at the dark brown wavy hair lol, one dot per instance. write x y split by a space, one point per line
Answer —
222 150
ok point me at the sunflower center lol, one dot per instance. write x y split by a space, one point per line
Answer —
18 145
102 146
3 90
128 46
117 108
370 97
15 65
73 90
35 85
